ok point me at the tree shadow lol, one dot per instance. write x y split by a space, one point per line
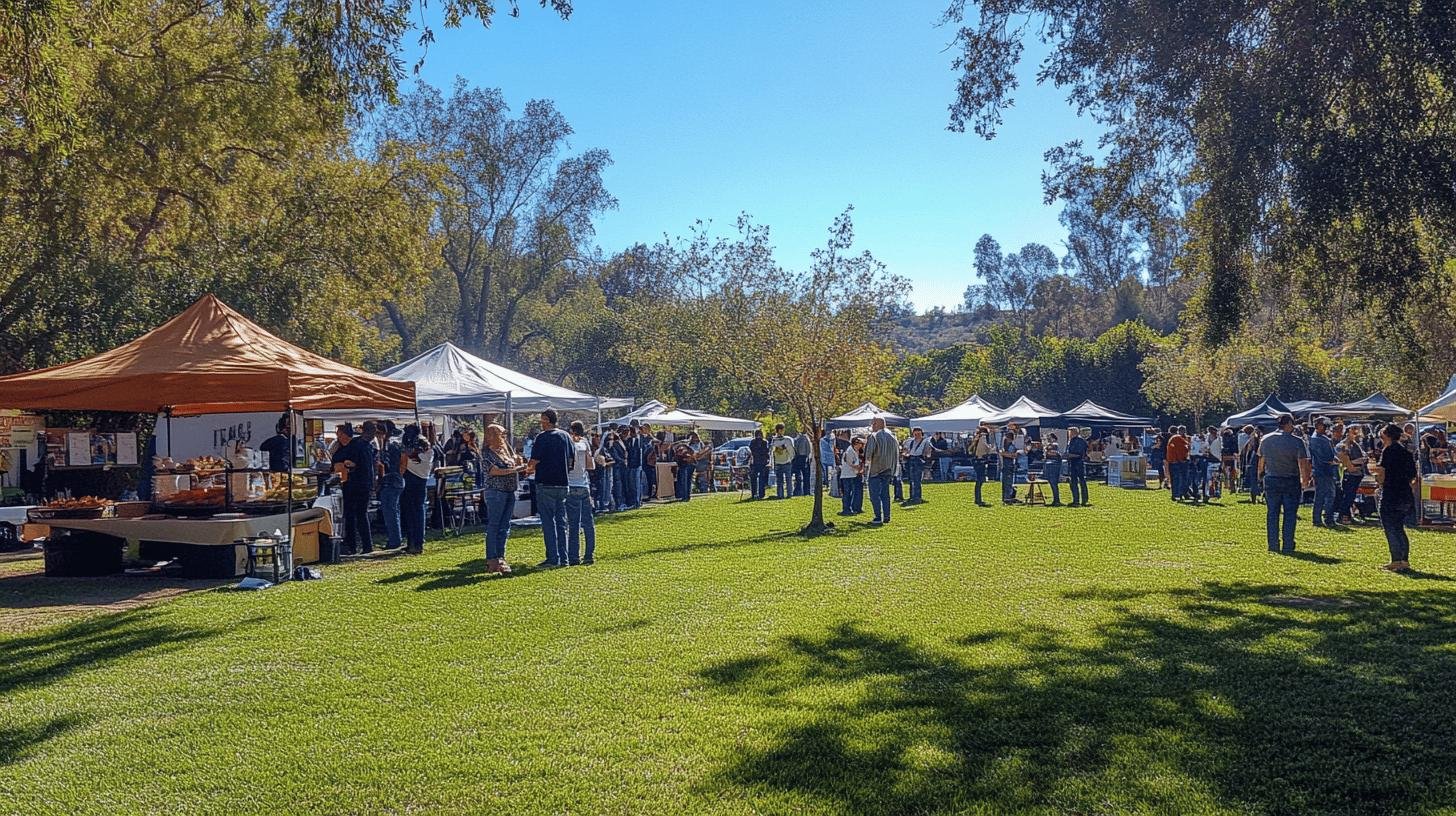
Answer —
36 660
1181 701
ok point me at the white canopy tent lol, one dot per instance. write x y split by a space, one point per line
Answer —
1024 411
1442 408
863 415
641 412
451 380
963 418
657 413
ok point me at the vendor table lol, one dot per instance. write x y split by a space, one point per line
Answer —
1127 470
209 533
666 480
13 515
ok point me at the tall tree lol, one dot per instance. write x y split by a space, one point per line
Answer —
513 209
1293 121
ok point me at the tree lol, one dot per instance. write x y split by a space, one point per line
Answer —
811 340
513 211
1009 282
1101 247
1185 377
1293 123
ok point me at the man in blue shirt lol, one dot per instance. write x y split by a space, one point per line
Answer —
1325 466
1076 456
551 458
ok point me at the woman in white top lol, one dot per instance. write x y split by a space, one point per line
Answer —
851 478
579 519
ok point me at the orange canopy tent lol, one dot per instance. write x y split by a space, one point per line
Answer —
207 360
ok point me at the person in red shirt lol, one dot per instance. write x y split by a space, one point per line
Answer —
1176 459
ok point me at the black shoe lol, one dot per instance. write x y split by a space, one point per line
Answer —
1058 504
587 562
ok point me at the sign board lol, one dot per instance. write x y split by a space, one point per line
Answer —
18 429
214 435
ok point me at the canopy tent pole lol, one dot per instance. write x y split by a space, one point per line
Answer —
599 412
510 423
288 473
169 431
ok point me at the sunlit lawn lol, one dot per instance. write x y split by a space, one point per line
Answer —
1135 656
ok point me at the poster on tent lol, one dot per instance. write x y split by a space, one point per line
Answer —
18 429
215 434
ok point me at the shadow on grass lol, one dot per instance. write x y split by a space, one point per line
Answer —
1182 701
1313 557
40 659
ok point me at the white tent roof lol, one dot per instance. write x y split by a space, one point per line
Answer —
1443 407
964 417
642 411
449 379
861 417
1023 412
683 417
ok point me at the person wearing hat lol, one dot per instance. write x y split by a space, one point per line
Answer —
1325 467
1285 471
391 480
355 461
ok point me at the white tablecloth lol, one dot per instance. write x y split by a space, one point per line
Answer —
187 531
13 515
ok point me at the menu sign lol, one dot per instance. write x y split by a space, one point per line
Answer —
18 429
70 447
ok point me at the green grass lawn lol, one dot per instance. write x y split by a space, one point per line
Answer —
1131 657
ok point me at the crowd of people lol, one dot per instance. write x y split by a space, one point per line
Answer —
579 473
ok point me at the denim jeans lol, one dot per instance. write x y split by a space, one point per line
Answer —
619 487
880 496
1052 472
551 505
899 484
684 482
389 494
980 467
499 506
783 479
1008 479
1324 500
631 492
1392 520
1077 477
648 483
851 495
1177 472
915 474
1281 493
801 476
412 512
758 481
579 523
1349 489
943 463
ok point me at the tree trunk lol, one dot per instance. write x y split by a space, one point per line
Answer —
816 523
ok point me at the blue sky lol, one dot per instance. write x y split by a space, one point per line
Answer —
787 111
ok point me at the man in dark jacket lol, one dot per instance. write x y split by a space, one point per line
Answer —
758 465
357 459
636 442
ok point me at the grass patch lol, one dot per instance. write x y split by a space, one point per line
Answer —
1132 657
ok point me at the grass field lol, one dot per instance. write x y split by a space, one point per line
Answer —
1131 657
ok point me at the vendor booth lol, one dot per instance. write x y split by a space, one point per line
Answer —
1025 412
1264 416
207 360
863 415
1375 406
963 418
1125 467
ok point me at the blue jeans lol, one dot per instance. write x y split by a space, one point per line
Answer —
499 505
944 464
1349 489
880 496
412 512
1282 493
1178 472
389 493
1077 476
1052 472
685 482
1008 479
758 481
783 479
801 475
648 483
619 487
1392 521
580 523
980 467
551 505
1324 500
851 495
631 489
915 473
